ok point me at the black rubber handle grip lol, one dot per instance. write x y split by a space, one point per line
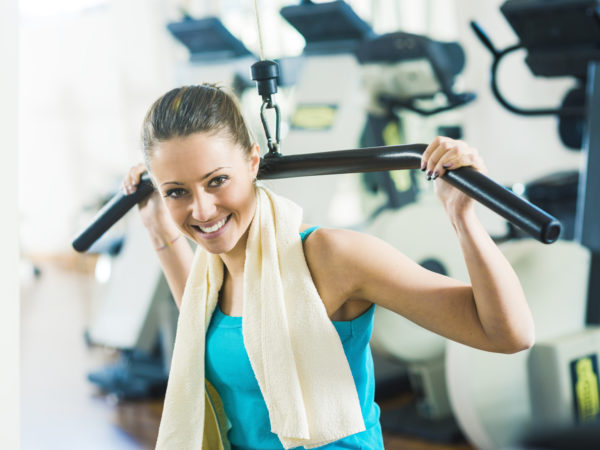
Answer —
504 202
110 213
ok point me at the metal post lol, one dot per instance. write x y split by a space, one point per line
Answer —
587 220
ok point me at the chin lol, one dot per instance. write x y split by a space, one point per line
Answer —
218 248
215 249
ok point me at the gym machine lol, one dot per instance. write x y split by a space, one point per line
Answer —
323 106
216 55
549 394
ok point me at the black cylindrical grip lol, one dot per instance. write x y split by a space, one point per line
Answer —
111 213
531 219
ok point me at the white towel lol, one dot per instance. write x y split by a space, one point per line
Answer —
294 349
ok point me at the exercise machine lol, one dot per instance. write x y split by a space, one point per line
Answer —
529 398
325 107
137 316
216 55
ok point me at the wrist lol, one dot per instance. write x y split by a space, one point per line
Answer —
161 237
462 218
168 243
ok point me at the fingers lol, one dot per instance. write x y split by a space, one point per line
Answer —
448 154
132 179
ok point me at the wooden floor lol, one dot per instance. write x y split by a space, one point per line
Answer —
60 409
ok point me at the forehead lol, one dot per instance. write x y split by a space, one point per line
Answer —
190 157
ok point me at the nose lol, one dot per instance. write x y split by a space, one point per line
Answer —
204 207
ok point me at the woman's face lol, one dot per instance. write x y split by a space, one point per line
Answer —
207 185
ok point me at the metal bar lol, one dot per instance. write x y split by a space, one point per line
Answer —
513 208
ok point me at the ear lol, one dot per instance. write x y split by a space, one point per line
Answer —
254 160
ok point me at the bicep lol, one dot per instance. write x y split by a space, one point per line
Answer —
387 277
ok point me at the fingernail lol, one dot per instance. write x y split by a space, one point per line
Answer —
423 167
435 174
447 165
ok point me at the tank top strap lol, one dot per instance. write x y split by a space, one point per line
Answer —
304 234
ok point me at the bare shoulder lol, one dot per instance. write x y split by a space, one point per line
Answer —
328 245
333 258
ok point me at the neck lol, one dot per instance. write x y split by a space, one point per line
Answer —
235 258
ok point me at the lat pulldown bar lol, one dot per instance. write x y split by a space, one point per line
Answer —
533 220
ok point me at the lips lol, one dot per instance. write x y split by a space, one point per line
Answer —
214 228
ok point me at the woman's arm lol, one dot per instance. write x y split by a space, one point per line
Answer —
507 317
498 297
175 256
490 314
173 250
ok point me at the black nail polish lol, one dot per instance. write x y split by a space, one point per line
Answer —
435 175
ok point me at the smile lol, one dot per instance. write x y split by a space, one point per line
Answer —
213 228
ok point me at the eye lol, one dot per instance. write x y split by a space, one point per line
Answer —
218 181
175 193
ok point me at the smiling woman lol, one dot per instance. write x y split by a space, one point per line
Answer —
207 186
203 165
297 370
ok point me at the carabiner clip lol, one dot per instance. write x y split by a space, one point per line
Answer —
272 144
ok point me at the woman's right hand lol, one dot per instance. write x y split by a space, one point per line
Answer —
155 216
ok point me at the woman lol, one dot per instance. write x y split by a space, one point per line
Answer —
203 163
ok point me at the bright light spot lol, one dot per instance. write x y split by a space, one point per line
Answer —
518 188
103 268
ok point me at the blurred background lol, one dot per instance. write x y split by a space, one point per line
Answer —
96 328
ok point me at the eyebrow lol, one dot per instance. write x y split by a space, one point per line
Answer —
203 178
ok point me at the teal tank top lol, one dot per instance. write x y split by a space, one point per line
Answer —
228 369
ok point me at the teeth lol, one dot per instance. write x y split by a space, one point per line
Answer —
215 227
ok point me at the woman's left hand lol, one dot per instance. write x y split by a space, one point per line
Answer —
448 154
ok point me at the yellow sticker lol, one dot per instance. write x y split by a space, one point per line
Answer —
314 117
587 397
392 135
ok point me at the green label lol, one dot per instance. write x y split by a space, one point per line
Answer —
584 381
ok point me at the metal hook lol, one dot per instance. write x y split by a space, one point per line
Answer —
273 145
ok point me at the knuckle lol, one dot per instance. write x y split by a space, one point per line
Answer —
452 153
448 145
